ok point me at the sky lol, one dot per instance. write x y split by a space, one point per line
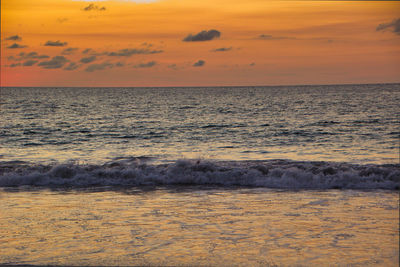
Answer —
198 43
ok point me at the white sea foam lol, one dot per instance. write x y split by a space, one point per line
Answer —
281 174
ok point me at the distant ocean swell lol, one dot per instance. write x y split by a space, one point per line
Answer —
278 174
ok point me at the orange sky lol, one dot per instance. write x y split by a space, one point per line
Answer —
139 43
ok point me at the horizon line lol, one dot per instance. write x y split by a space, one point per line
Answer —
208 86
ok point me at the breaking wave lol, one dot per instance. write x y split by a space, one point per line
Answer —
278 174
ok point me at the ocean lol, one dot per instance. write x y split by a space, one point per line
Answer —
216 176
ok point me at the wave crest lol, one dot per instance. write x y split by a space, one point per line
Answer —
279 174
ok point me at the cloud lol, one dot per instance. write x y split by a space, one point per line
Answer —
270 37
30 62
199 63
27 56
62 20
135 51
91 7
55 63
202 36
172 66
32 55
56 43
15 65
71 66
145 65
86 60
100 66
394 26
15 45
69 51
119 64
87 50
14 38
222 49
252 64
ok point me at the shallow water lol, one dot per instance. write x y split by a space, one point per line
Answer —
199 226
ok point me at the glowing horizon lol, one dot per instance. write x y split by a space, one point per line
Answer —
191 43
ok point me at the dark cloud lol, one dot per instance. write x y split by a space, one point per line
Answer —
135 51
202 36
119 64
86 60
93 7
32 55
146 65
15 65
90 51
15 45
14 38
56 43
394 26
270 37
27 56
100 66
69 51
30 62
199 63
222 49
35 55
252 64
87 50
55 63
71 66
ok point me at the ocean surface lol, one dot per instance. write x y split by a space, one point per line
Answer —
299 136
224 176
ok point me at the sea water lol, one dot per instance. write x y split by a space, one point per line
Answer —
284 175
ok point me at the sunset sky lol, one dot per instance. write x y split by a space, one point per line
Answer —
198 43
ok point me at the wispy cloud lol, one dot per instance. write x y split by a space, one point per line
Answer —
173 66
30 62
27 56
202 36
55 63
271 37
15 45
62 20
71 66
222 49
32 55
55 43
93 7
69 51
87 50
145 65
86 60
14 38
134 51
199 63
100 66
13 65
394 26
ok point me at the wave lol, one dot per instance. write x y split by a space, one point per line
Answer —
278 174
